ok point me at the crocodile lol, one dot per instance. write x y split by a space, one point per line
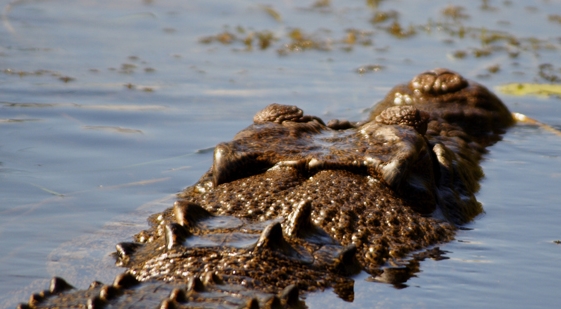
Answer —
294 205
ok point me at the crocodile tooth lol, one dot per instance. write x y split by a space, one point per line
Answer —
59 285
225 164
346 262
290 295
123 252
272 238
35 299
273 303
252 304
229 165
95 303
94 285
178 295
188 213
299 221
125 249
212 278
175 235
195 285
125 281
107 292
168 304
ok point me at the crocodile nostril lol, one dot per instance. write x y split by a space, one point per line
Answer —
423 82
438 81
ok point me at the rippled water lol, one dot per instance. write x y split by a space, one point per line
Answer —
109 108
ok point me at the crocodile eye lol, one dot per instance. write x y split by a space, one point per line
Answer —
278 113
438 81
404 115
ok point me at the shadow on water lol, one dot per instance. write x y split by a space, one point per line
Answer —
106 106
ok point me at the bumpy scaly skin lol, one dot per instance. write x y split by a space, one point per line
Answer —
291 204
405 115
464 118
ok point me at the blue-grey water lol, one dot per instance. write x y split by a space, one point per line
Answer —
109 108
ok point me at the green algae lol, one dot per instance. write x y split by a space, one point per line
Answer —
526 89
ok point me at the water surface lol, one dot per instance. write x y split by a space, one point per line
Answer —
109 108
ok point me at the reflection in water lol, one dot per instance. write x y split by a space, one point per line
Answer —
113 129
398 274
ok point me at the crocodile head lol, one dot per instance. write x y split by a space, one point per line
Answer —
449 98
294 202
391 150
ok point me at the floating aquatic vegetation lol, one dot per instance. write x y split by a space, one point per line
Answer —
455 12
459 54
356 36
127 68
47 190
271 12
547 72
225 37
17 120
398 31
555 18
260 39
34 105
110 107
381 16
494 68
486 7
370 68
50 73
489 37
321 3
486 51
373 3
449 25
112 129
66 79
122 107
143 88
300 41
481 52
524 89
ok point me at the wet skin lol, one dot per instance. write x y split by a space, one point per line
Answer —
292 204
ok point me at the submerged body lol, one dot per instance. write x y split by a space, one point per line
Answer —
293 204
